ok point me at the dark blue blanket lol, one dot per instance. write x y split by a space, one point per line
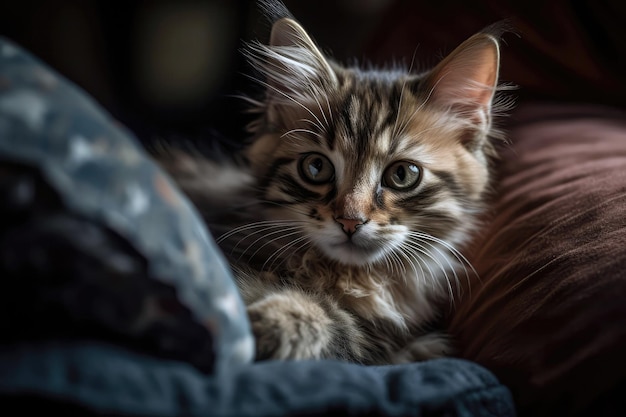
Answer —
104 379
99 249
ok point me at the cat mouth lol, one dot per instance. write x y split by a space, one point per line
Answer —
353 254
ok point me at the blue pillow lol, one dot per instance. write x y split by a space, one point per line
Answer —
105 182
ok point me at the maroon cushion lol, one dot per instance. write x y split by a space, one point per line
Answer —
549 312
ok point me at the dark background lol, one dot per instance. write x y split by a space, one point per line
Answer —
171 68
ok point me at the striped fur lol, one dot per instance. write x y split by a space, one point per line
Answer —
333 258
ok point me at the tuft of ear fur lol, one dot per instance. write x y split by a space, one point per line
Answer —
295 70
298 54
274 10
465 82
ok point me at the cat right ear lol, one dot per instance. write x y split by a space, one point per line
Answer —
295 69
466 80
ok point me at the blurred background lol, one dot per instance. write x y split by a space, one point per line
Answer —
171 68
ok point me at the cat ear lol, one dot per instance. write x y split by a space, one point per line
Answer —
465 81
293 65
298 53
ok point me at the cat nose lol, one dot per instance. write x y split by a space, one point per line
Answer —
349 226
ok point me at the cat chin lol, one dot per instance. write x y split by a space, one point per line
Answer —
352 255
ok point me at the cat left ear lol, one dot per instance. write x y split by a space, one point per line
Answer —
295 68
291 38
465 81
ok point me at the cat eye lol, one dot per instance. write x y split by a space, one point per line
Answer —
402 175
316 169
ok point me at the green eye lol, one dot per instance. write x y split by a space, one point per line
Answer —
316 169
402 175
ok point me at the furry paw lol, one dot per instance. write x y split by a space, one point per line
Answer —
429 346
289 325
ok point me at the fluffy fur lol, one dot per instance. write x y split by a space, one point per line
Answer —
342 223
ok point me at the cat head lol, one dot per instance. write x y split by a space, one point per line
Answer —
372 164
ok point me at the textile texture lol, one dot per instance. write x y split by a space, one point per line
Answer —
95 235
548 314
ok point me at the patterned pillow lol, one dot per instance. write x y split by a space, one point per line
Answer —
96 241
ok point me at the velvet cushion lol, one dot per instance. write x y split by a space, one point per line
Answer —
549 312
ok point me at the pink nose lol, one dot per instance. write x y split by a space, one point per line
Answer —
349 226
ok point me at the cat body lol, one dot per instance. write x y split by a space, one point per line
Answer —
342 222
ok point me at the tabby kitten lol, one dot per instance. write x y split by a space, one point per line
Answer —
342 223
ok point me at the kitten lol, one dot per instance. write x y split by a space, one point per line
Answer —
342 222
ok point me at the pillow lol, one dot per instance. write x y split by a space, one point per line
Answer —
548 315
95 240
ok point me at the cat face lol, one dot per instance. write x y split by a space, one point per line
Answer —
368 166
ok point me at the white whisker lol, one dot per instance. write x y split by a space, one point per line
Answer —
412 262
417 243
398 261
444 257
463 261
417 249
395 125
281 250
298 249
319 123
319 105
257 225
420 107
292 231
292 131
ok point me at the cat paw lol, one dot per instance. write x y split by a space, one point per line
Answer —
429 346
289 325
